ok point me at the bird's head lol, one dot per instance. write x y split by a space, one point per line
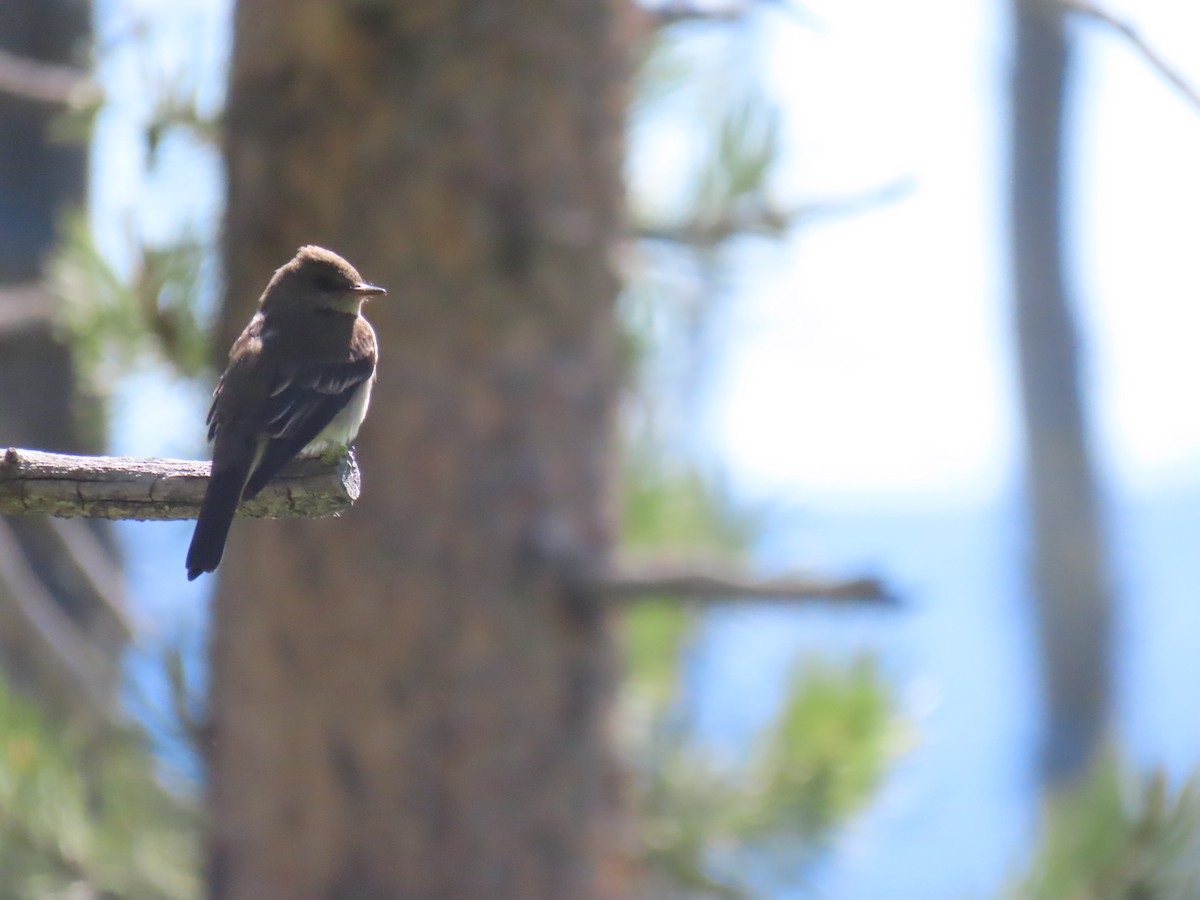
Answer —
316 278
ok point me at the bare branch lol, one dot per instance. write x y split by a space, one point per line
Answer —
125 487
45 82
24 305
769 222
94 570
1139 44
680 11
714 582
672 13
37 636
709 232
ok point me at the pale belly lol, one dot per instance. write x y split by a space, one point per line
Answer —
344 426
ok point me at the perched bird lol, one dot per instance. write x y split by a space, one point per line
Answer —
298 383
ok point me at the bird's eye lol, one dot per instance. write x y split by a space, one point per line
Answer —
327 281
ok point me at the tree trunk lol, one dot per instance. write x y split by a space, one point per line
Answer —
412 701
61 629
1069 563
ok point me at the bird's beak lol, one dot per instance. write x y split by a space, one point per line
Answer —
369 290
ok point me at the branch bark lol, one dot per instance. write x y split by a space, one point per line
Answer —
45 82
126 487
708 582
94 569
1151 56
39 642
768 221
1069 549
673 13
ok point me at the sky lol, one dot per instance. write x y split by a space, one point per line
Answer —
887 333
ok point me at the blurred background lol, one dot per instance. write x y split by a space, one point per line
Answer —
908 295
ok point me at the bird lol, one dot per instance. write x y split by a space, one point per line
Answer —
298 383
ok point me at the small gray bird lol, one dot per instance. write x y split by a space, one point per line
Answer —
298 383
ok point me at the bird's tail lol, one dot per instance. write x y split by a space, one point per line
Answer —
216 515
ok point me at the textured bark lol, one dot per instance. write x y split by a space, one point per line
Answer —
714 582
41 177
1072 592
38 174
412 701
127 487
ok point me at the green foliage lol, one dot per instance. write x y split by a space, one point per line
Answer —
1118 836
733 185
669 504
177 110
657 632
670 509
115 322
700 104
715 830
712 828
666 70
823 756
87 816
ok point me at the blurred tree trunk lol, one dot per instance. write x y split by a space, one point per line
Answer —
61 632
412 701
1069 560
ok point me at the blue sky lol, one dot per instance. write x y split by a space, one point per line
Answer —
887 333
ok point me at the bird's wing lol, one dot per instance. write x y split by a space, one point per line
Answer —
302 402
214 417
305 398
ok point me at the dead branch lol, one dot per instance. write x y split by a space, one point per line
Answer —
671 13
125 487
37 636
675 12
95 572
709 582
767 221
31 79
1151 56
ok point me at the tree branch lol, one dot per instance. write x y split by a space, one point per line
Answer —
667 14
24 305
672 13
96 574
708 582
45 82
38 638
125 487
1139 44
767 221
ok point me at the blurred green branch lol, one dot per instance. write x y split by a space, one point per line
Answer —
114 321
767 221
87 815
715 830
731 196
1118 836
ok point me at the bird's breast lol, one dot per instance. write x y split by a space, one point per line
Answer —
342 428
